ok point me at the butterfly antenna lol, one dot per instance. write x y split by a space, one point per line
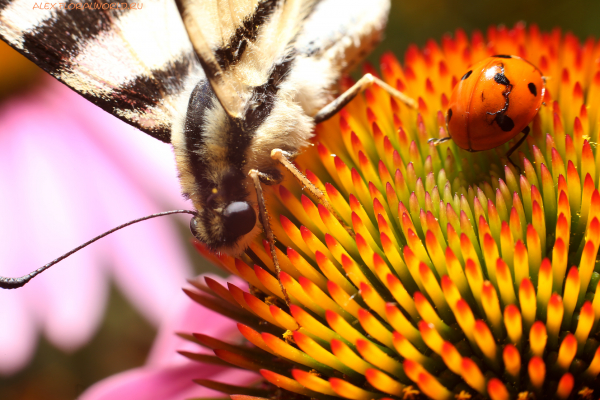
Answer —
14 283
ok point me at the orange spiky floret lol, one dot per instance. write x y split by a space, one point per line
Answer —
445 274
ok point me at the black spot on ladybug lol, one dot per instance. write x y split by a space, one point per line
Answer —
505 122
532 89
465 76
501 79
448 115
502 56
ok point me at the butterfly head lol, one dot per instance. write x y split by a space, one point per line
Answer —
213 155
216 148
226 218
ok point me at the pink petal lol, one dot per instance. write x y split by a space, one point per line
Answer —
138 156
167 374
189 317
18 334
59 220
174 383
61 186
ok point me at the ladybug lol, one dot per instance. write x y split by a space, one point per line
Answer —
494 101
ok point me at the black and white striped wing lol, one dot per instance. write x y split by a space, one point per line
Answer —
134 63
239 42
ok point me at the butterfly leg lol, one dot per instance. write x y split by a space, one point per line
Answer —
363 83
264 216
284 158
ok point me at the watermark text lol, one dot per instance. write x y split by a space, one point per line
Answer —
88 6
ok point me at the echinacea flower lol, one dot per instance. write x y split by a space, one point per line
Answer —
68 172
445 274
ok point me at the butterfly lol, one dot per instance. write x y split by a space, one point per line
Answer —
235 86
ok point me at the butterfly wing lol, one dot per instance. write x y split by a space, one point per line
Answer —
132 62
343 31
239 42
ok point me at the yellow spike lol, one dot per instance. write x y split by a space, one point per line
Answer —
584 325
406 349
375 356
427 312
285 383
527 303
475 280
294 235
570 296
358 209
435 292
313 242
505 283
594 369
283 318
353 271
487 345
333 273
295 208
375 328
282 349
452 358
346 389
317 352
247 273
457 273
384 383
472 375
297 294
417 247
521 264
261 309
512 361
337 230
538 338
394 258
343 299
436 253
321 298
345 354
313 326
269 281
513 324
313 382
305 269
381 268
431 336
313 213
426 382
343 328
566 352
491 306
491 255
412 262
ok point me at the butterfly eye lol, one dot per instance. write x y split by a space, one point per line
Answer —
194 227
239 218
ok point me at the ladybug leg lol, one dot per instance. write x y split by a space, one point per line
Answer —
363 83
516 146
439 141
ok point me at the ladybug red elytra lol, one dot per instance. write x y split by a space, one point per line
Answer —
494 101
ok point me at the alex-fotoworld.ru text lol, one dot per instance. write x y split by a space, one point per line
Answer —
88 6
